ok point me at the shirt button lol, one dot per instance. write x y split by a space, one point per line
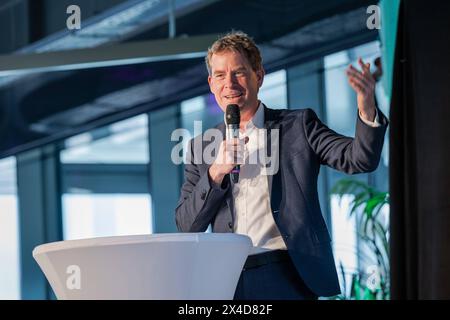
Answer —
230 225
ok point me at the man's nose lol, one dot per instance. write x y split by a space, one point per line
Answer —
230 80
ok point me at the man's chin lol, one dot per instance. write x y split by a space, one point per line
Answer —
235 101
243 105
224 106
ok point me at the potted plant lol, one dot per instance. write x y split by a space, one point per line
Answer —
373 232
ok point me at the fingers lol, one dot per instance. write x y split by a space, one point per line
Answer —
353 73
235 150
361 81
232 151
357 86
360 87
364 66
236 141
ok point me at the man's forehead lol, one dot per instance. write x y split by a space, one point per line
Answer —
229 56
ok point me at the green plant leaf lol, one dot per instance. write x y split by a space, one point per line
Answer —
366 206
368 295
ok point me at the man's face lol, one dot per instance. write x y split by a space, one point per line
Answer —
233 81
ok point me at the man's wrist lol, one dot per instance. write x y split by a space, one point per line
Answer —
368 115
374 124
215 176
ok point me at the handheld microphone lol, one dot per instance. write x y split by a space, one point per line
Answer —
233 119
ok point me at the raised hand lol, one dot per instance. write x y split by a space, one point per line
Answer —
364 84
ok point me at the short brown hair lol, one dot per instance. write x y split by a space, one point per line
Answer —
236 41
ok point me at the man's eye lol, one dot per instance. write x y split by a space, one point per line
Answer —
219 76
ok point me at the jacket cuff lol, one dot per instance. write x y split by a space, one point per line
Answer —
375 123
208 189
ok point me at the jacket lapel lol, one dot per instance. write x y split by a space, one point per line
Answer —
271 122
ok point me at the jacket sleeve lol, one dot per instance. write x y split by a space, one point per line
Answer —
350 155
200 199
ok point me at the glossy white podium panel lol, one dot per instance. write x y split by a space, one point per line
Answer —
160 266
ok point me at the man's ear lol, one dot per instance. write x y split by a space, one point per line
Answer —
260 77
209 82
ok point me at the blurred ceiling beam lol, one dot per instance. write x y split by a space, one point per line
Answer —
108 55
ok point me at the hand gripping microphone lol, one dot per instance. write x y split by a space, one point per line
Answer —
233 119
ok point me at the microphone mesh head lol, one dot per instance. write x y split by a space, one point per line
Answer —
233 114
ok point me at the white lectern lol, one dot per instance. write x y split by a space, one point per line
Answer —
160 266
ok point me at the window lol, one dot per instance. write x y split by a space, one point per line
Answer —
9 231
273 92
105 181
341 112
344 237
97 215
203 108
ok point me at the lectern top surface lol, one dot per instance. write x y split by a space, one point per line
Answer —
145 238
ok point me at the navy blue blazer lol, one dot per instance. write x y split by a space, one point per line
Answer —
305 144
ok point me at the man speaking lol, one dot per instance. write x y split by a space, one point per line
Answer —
280 212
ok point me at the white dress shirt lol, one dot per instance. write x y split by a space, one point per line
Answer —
251 195
252 212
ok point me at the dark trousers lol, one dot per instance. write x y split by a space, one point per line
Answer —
271 279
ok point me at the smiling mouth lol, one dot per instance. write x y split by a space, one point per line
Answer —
233 96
